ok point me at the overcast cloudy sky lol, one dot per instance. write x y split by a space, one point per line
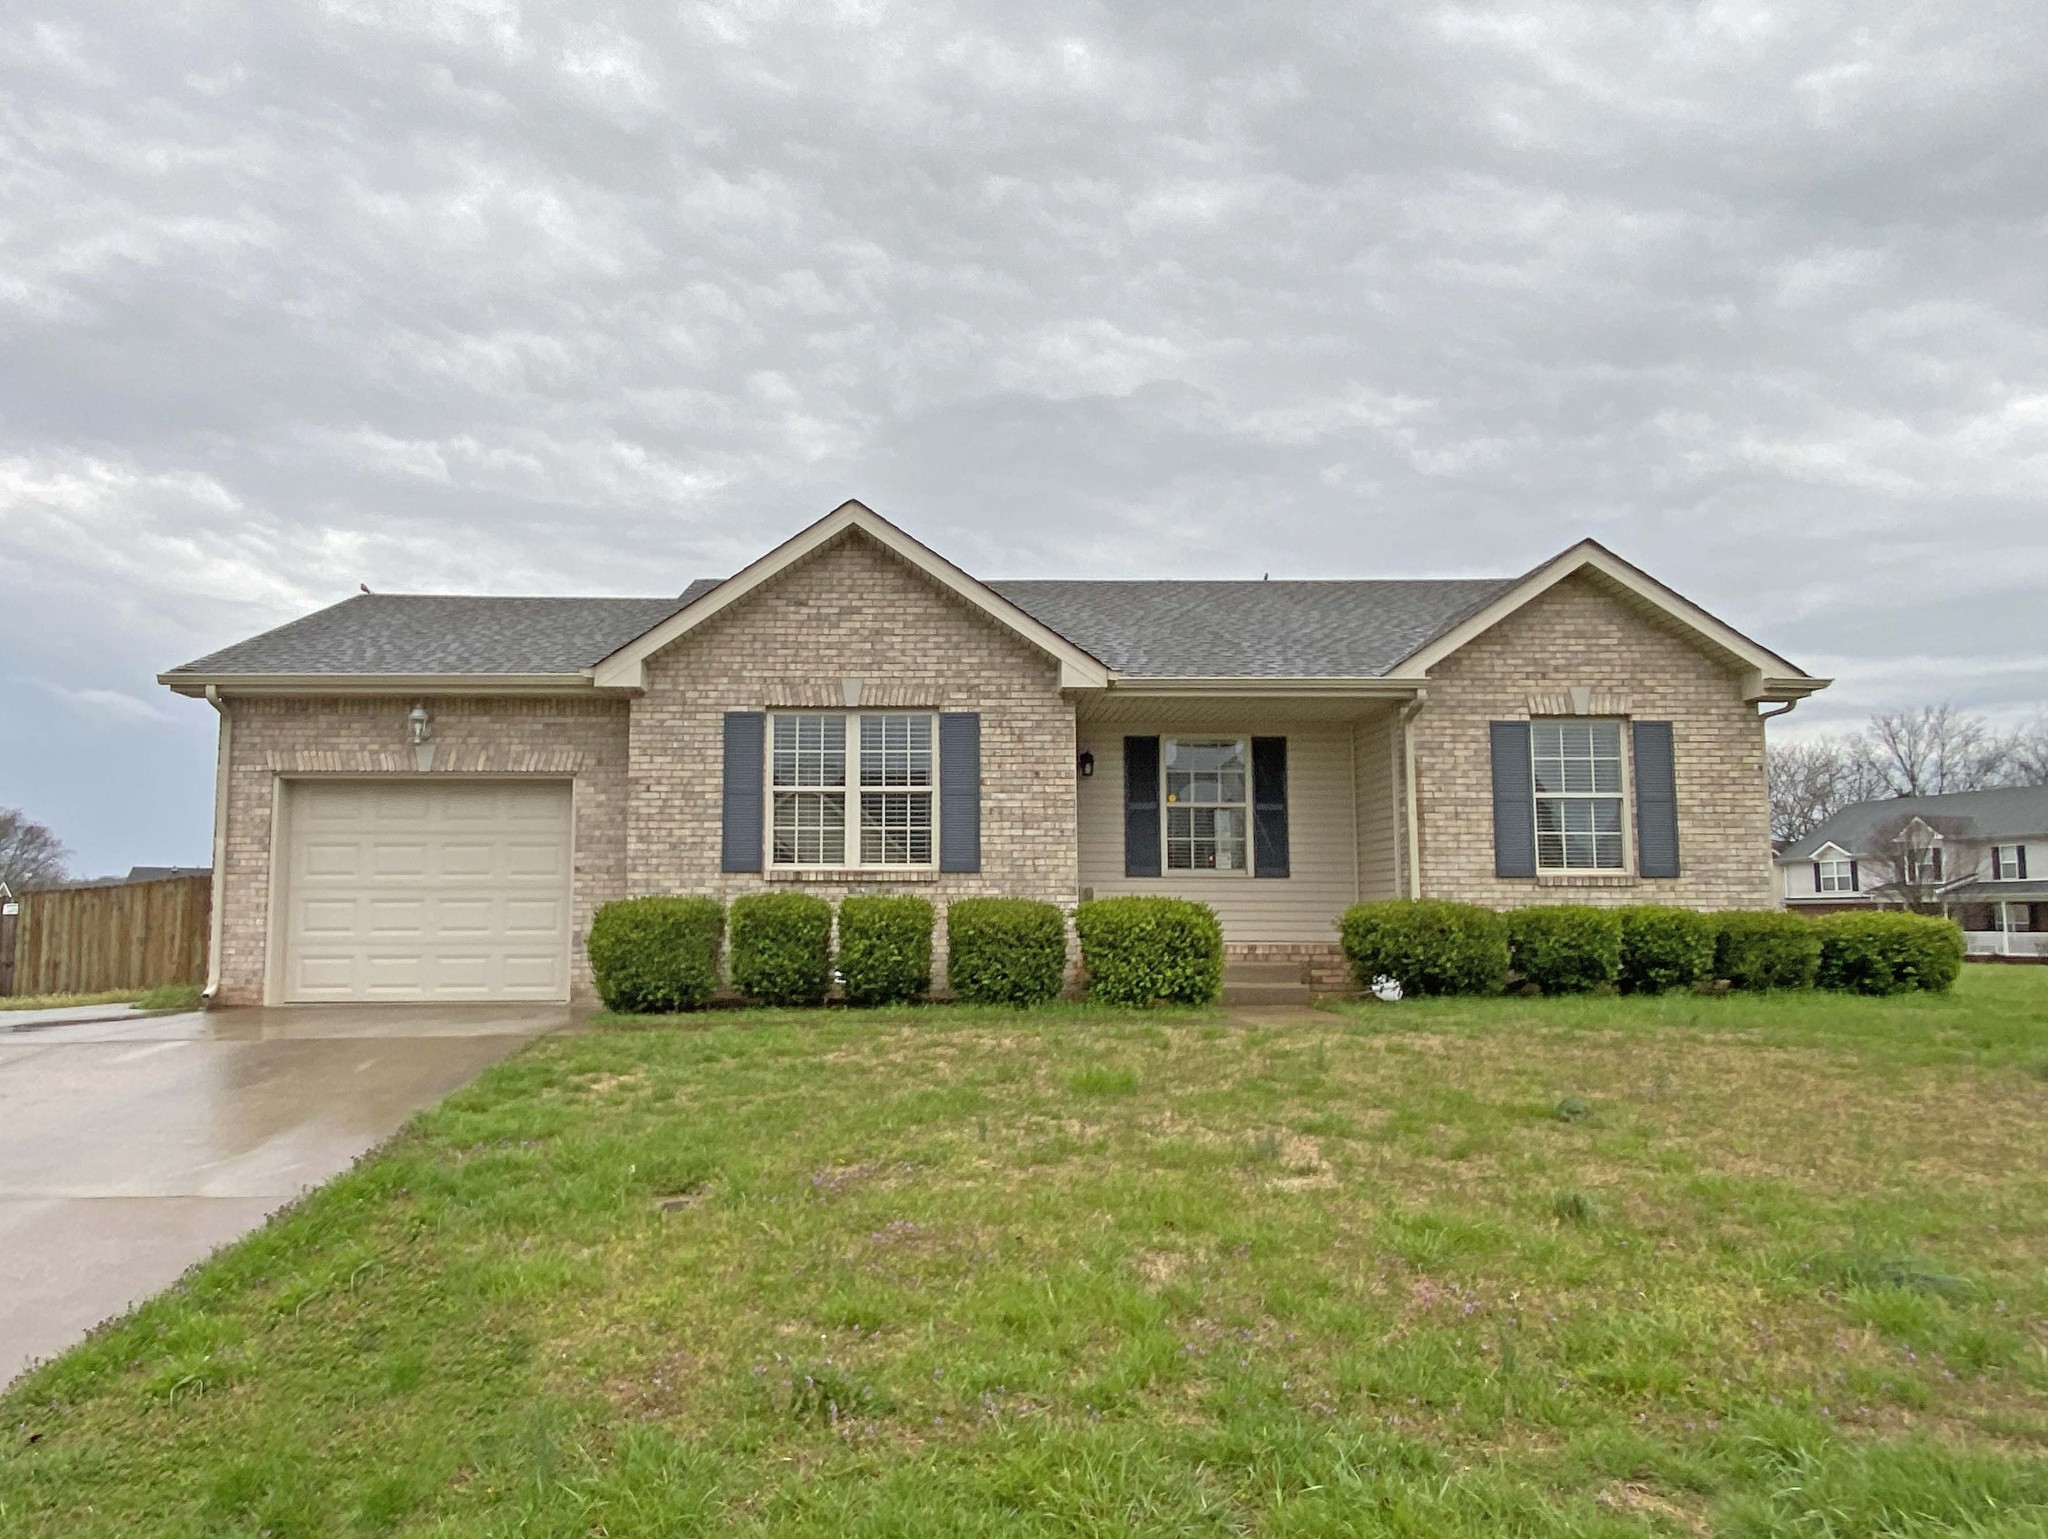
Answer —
498 297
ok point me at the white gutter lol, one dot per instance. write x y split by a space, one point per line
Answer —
217 890
209 685
1238 684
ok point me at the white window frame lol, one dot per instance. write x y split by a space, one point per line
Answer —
1622 798
852 794
1998 854
1243 809
1830 880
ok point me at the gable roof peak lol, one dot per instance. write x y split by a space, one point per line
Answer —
625 667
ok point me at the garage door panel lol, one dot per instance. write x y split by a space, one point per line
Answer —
533 978
391 857
395 916
332 857
531 857
450 891
467 918
523 917
468 858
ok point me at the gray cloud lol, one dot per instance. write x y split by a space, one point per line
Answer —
496 297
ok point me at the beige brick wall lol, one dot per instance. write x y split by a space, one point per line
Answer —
1583 633
581 740
853 610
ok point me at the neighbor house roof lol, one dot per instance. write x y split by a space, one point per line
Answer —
2013 812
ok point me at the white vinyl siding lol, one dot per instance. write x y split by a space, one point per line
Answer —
1322 809
1376 748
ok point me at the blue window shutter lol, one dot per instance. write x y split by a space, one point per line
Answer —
745 739
1656 800
1514 800
1269 806
1141 806
960 791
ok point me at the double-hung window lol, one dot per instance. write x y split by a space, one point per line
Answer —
1578 795
1206 779
852 789
2007 865
1836 876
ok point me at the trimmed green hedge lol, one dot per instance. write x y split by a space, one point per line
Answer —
885 949
1665 948
1147 951
1005 951
650 955
1763 949
1565 948
1428 947
782 948
1889 953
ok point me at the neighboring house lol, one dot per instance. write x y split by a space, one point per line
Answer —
1981 856
428 797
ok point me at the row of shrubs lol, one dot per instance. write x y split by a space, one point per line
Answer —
665 954
1460 948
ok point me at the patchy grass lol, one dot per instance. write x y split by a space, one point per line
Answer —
976 1273
171 996
67 1001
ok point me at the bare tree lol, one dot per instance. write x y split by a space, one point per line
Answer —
30 855
1930 750
1811 781
1907 864
2027 754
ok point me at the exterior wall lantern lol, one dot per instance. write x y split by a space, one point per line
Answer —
421 731
1087 765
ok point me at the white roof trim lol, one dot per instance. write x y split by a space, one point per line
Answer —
626 668
196 684
1770 676
1840 853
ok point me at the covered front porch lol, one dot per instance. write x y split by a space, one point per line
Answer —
2003 919
1279 808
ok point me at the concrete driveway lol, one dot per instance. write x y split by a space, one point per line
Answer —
132 1148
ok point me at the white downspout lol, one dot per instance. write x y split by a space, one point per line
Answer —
1411 807
220 844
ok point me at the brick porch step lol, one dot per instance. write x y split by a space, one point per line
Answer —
1248 984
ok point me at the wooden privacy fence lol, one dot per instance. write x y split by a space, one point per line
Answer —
127 935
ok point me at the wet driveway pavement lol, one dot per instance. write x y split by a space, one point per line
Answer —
131 1148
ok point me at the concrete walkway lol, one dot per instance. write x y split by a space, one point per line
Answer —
131 1148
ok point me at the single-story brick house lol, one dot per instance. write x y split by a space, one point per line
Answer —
427 797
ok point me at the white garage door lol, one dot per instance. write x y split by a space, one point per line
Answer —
416 890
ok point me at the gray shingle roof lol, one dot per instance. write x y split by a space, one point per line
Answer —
2014 812
442 633
1187 629
1251 629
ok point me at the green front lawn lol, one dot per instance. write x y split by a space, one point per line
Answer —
1574 1267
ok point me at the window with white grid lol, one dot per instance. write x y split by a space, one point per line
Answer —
883 764
1578 795
1205 803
